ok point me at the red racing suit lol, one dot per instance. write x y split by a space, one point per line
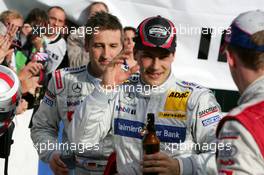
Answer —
241 134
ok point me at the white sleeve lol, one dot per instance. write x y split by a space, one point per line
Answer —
44 131
204 124
240 154
92 120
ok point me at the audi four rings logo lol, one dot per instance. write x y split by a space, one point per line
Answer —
77 87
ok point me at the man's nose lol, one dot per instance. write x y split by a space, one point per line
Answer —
155 63
106 52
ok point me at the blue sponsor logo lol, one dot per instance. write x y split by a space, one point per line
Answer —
125 109
211 120
48 101
133 129
128 128
188 84
73 103
171 134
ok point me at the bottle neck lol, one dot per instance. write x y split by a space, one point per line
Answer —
151 127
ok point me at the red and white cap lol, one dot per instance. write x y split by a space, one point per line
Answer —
9 97
156 32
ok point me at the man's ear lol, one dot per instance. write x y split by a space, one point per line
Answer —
174 54
230 56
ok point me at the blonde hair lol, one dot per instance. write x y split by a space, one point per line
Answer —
8 15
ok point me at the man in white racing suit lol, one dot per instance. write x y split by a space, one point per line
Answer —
186 114
67 89
242 129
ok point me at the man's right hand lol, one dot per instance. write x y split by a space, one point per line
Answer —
114 74
57 165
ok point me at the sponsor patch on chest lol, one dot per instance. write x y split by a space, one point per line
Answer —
176 101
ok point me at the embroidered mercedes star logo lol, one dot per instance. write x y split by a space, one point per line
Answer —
77 87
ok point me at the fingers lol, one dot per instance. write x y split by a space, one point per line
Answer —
34 67
30 85
34 85
154 163
123 55
2 40
9 51
57 166
4 47
154 170
160 163
156 156
12 29
35 82
5 43
134 69
59 162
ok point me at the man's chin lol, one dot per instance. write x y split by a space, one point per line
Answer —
152 82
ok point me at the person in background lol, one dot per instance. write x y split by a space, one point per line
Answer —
129 35
77 54
67 89
13 20
36 19
32 51
55 45
5 43
241 130
186 114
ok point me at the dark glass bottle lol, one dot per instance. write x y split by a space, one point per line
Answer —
151 143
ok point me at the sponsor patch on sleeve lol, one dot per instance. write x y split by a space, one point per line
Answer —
48 101
211 120
49 98
208 111
58 79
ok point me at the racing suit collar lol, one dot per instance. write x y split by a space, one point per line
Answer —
254 91
92 78
149 90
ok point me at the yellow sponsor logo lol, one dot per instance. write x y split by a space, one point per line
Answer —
174 115
176 101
